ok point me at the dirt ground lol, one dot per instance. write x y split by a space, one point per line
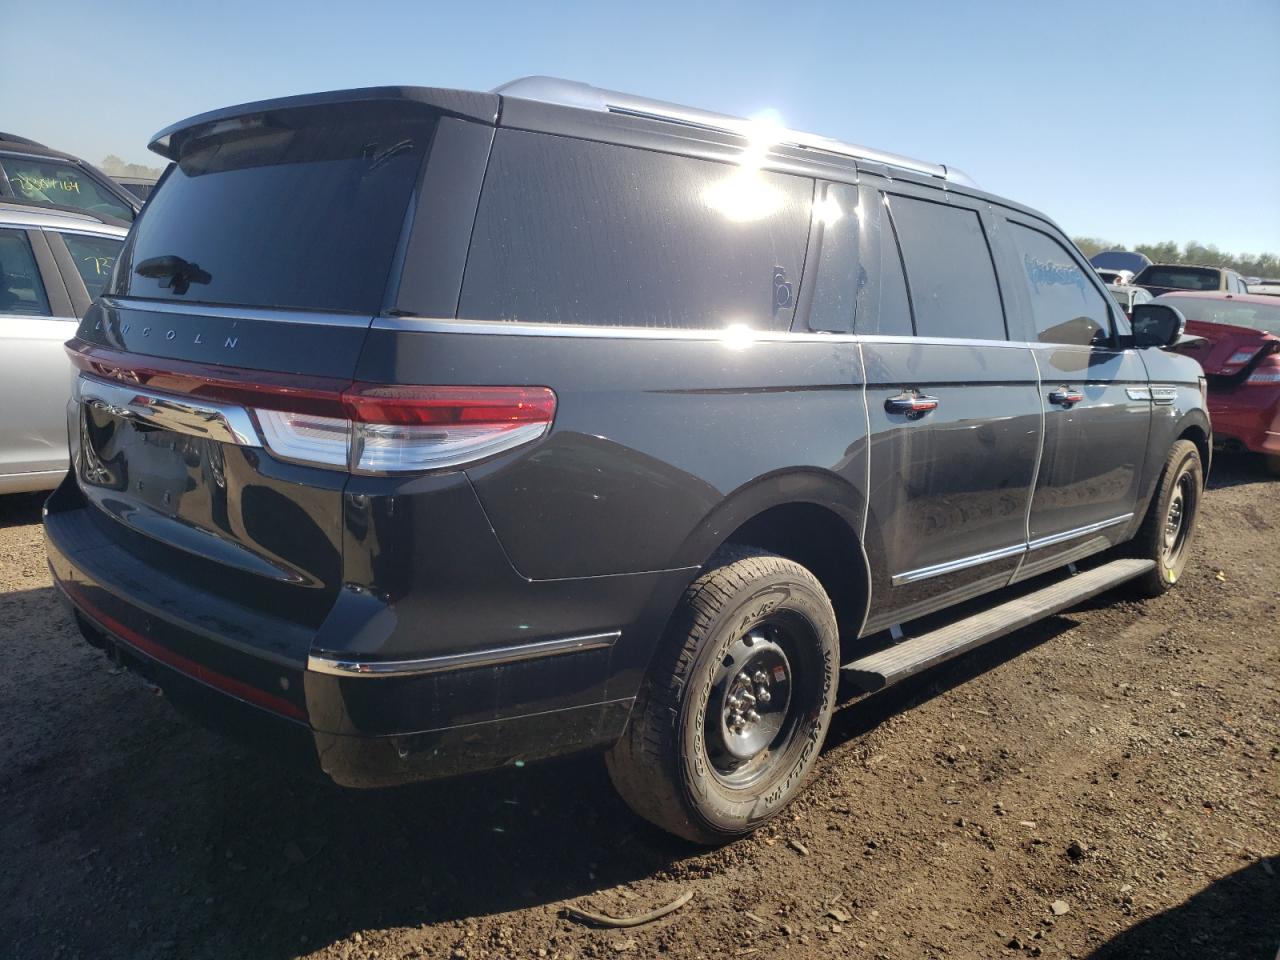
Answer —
1105 784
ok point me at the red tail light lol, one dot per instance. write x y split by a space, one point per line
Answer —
363 427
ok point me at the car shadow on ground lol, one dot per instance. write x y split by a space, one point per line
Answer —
1236 916
1234 469
19 509
859 715
234 856
136 833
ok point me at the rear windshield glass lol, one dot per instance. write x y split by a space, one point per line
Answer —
1181 278
1238 313
300 208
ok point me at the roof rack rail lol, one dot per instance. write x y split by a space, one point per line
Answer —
571 93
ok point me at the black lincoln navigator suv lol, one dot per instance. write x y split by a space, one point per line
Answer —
422 431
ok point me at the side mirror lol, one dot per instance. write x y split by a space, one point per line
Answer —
1156 325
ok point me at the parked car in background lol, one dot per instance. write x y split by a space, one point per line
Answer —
32 173
1129 296
1239 350
1266 287
433 431
1110 276
1166 277
52 265
140 187
1120 260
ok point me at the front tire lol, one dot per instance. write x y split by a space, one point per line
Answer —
1170 524
727 726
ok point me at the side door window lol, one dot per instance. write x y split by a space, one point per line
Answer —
64 184
94 257
950 276
1065 306
22 291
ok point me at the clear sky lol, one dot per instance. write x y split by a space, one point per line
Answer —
1135 120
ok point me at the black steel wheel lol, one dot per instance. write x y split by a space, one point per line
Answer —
1169 527
728 725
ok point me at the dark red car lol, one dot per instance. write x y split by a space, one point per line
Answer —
1240 353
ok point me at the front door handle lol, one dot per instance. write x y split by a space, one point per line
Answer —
1066 396
911 402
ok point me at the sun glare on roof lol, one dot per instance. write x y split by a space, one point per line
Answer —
745 193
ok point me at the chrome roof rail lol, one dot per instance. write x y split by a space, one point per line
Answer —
571 93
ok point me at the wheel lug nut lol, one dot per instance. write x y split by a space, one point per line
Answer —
762 696
760 677
752 716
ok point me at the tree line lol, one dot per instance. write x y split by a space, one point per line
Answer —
113 166
1204 255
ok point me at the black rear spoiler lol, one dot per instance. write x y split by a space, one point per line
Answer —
466 104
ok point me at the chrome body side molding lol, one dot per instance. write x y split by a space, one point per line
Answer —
1056 538
964 563
1018 549
351 667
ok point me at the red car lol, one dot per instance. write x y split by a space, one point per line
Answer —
1240 353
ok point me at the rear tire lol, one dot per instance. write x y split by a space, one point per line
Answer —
1273 464
727 726
1169 527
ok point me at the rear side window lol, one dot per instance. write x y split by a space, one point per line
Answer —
570 231
841 278
94 258
63 184
950 276
859 283
21 289
1180 278
297 208
1065 306
889 313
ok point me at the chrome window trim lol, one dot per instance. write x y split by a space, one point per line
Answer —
951 566
224 422
311 317
521 328
353 667
734 335
109 233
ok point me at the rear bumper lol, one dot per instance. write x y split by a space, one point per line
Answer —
1248 416
262 679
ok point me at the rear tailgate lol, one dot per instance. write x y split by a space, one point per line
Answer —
226 516
257 265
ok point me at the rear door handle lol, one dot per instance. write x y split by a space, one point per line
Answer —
1066 396
911 402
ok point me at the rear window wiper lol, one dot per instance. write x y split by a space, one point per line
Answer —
174 272
381 157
